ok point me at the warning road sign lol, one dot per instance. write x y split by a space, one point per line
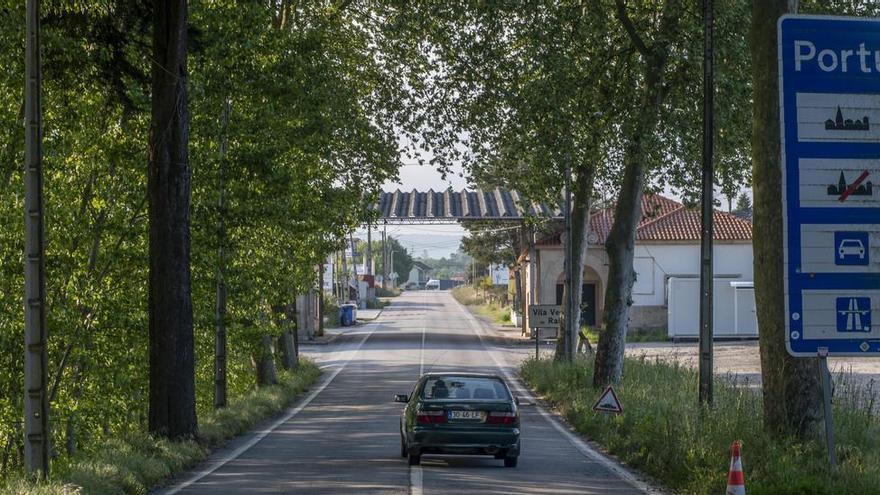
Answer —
608 402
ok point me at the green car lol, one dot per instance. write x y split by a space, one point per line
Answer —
460 413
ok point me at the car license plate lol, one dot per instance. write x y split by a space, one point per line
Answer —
467 415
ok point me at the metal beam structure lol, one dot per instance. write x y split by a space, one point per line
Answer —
449 207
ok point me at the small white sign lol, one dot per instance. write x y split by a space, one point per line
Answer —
840 183
838 117
544 316
841 315
840 248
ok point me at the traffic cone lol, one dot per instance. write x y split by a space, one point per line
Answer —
736 480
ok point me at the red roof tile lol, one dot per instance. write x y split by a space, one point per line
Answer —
666 220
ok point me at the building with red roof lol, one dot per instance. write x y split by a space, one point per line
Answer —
667 264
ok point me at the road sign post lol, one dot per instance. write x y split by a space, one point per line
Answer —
543 316
829 114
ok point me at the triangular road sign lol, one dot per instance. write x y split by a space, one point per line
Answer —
608 402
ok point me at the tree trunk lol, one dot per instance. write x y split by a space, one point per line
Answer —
320 300
289 359
172 380
792 399
265 363
580 228
220 303
620 244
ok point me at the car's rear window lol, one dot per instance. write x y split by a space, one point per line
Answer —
464 388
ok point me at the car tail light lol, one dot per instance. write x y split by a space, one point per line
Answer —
501 418
430 417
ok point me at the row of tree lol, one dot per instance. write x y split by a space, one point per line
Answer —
202 159
612 90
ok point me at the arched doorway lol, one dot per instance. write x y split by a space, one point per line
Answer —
590 296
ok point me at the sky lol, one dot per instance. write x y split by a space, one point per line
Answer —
438 240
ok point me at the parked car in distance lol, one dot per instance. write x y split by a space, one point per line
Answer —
432 284
460 414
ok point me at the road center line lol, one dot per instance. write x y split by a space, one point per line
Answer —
583 447
262 434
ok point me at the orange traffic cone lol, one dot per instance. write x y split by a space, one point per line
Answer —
736 480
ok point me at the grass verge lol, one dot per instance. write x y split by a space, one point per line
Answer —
653 335
665 433
494 311
138 462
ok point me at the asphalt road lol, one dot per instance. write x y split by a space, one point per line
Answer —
343 437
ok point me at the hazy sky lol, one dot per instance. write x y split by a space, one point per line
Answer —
438 240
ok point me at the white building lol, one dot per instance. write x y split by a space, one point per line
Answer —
667 262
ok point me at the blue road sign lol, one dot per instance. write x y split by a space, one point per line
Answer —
853 314
830 125
852 249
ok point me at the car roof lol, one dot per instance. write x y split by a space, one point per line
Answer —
462 374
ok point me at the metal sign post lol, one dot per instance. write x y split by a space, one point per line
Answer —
543 316
708 209
826 404
36 403
830 121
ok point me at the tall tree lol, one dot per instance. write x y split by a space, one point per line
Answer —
792 402
172 375
620 244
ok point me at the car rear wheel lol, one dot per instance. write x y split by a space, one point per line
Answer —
415 459
510 462
402 448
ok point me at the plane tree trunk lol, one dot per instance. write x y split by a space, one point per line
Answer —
172 411
792 399
580 226
620 244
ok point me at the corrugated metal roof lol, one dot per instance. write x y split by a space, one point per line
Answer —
451 206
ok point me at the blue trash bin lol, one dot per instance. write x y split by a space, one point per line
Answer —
346 315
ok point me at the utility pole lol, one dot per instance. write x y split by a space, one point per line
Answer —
569 316
706 272
36 403
384 256
368 261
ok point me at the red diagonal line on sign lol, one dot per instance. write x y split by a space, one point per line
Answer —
853 186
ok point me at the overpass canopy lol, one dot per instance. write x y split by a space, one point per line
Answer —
448 206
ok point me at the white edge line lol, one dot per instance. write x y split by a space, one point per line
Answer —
582 446
262 434
415 472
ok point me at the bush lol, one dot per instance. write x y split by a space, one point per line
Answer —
136 463
389 292
664 432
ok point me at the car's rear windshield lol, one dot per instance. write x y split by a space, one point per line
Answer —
464 388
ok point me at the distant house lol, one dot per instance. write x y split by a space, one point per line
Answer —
419 274
667 264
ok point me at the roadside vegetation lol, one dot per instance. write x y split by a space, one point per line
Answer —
652 335
664 432
489 302
136 462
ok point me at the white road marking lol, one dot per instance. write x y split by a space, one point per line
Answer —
415 472
582 446
262 434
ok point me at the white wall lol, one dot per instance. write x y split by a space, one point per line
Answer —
655 263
